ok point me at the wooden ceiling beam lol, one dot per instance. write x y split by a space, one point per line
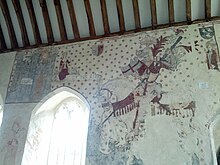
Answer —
33 20
136 15
105 17
73 19
153 14
5 11
60 20
188 11
171 12
47 22
207 9
120 16
2 40
20 17
90 18
160 26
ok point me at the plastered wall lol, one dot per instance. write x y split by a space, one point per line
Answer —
153 95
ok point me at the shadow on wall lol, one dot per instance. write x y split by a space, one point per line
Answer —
218 156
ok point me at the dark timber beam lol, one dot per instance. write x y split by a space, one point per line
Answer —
5 11
2 40
207 9
73 19
120 16
60 20
90 18
20 17
188 11
171 12
153 14
105 17
33 22
161 26
47 22
136 15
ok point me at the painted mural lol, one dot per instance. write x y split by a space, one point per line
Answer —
211 48
10 150
31 75
149 92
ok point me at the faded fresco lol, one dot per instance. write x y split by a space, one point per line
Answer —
11 149
31 75
152 94
211 48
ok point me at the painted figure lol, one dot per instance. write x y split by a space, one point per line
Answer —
183 110
122 118
97 50
212 55
10 155
10 150
63 68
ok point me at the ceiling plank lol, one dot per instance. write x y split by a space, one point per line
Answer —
120 16
105 17
136 15
90 18
188 11
33 20
20 17
5 11
47 22
73 19
153 14
208 9
60 20
2 40
171 12
160 26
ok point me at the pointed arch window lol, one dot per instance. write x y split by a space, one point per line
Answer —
215 139
57 134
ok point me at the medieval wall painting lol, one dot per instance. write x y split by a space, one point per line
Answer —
128 102
207 32
31 75
151 70
143 90
183 110
10 150
75 67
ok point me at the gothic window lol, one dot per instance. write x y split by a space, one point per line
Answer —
215 139
57 135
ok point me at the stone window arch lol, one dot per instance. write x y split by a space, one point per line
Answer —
215 139
58 130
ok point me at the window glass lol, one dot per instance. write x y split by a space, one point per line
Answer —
58 136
